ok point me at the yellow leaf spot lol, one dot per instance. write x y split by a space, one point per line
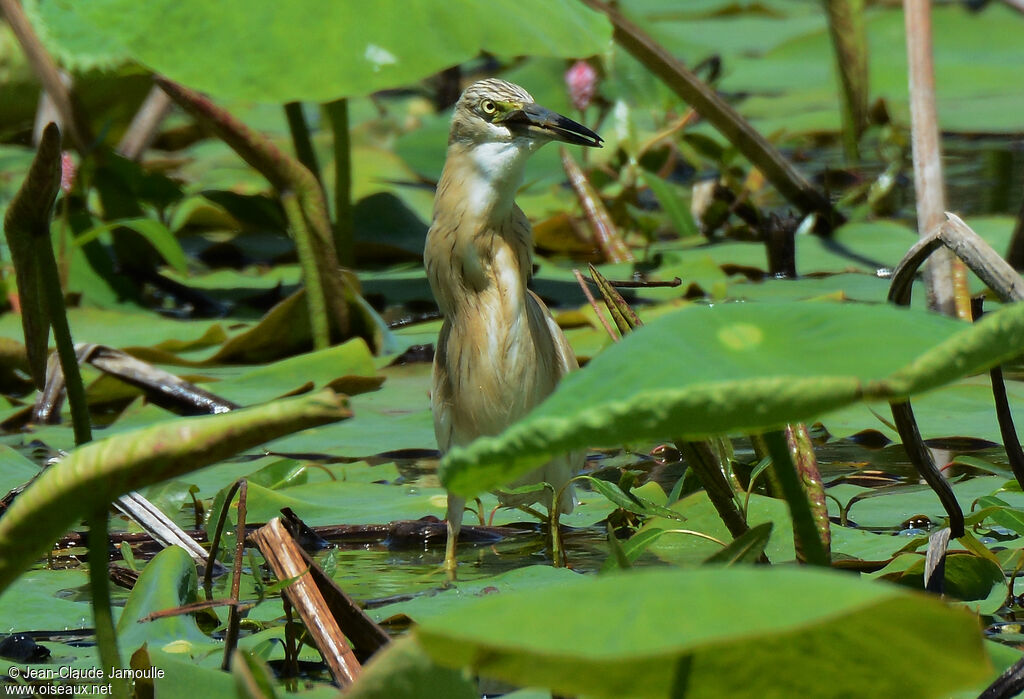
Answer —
177 647
741 336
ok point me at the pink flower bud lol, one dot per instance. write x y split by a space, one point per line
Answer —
67 172
581 80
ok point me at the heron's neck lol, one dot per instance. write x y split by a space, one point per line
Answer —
485 177
480 244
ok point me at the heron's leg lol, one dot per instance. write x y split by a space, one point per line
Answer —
456 507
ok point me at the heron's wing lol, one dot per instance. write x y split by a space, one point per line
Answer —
559 471
565 358
441 392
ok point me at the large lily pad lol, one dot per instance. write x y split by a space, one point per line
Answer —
738 368
368 47
663 633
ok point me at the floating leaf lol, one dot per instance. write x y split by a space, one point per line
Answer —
97 473
402 669
169 580
653 633
746 548
631 502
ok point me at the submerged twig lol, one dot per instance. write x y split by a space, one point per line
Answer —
285 558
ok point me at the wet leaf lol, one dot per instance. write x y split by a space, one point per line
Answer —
977 581
630 501
95 474
309 370
1002 514
183 678
742 368
553 637
746 548
404 670
169 580
15 470
369 47
685 549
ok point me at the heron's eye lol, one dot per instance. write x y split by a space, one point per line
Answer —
488 107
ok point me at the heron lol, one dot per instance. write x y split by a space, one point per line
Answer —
500 352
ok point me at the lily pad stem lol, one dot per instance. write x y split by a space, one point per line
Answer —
804 528
314 288
53 298
99 587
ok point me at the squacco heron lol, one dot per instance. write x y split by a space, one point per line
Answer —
500 352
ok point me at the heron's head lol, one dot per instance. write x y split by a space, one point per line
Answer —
496 111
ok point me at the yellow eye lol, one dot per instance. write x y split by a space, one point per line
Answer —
488 107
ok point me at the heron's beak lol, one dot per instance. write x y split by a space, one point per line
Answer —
538 120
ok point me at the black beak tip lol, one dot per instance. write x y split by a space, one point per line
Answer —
580 135
560 127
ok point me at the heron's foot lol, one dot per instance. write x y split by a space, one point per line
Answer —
451 568
451 564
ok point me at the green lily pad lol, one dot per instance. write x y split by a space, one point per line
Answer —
608 636
739 368
369 48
